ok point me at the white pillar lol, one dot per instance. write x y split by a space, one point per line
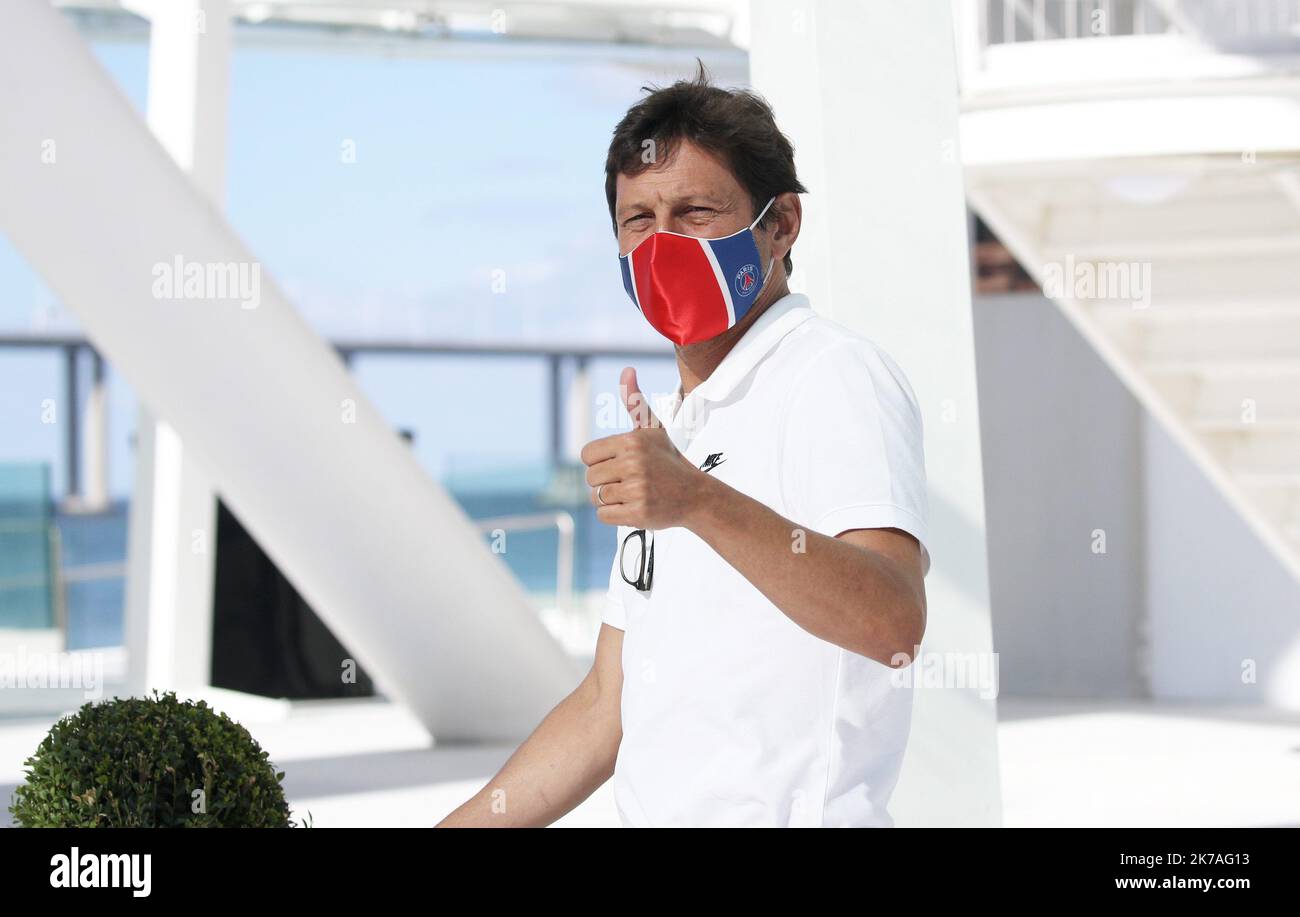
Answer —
577 416
868 94
310 466
94 474
172 535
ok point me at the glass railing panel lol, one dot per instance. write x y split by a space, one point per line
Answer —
27 560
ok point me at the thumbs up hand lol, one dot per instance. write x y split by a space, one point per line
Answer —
635 401
639 479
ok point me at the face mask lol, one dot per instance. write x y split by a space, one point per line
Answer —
691 289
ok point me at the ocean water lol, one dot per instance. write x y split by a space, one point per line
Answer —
95 607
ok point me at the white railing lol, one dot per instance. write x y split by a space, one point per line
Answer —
1019 44
563 523
1001 22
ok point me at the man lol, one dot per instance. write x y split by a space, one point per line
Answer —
771 526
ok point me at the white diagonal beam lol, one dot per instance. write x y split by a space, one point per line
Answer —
308 464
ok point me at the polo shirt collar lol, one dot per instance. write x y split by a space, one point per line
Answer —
778 320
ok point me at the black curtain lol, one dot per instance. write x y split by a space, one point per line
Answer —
266 639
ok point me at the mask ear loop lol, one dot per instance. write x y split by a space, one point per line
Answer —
767 275
763 212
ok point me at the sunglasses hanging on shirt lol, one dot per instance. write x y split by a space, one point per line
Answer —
638 566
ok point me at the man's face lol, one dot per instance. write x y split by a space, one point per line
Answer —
692 193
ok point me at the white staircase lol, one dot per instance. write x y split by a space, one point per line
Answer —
1159 160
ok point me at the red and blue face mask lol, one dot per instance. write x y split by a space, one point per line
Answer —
691 289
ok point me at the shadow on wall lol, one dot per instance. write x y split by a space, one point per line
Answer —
1115 568
1061 438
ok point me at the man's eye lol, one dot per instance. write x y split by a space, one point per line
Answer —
630 220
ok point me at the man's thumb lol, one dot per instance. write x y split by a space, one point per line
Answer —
637 404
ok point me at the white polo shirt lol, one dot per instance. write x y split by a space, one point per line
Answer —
732 714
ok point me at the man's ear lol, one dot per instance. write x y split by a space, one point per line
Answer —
789 213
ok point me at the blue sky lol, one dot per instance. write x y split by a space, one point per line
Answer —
462 168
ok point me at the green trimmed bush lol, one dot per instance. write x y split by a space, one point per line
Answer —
151 762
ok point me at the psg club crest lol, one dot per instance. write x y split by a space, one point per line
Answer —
746 280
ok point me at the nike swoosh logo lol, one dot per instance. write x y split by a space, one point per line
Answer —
713 461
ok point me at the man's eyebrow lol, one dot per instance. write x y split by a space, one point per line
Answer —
701 196
635 207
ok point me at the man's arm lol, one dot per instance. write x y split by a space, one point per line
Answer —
863 590
566 758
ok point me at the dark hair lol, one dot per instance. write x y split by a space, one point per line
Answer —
736 125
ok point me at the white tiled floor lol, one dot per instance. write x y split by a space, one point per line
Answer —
1064 763
1081 763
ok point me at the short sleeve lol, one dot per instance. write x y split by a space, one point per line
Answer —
852 446
615 612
